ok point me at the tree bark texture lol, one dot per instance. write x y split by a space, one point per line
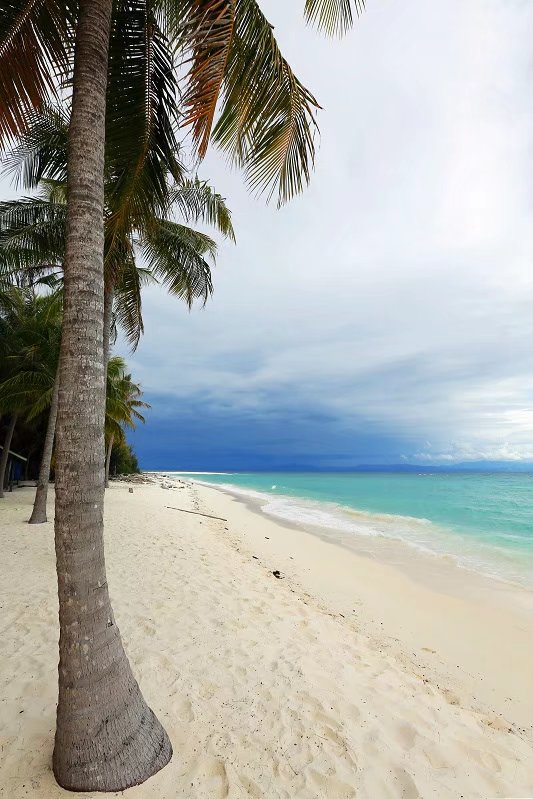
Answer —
107 738
38 514
108 458
5 452
109 298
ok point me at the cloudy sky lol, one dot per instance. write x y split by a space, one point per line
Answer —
387 314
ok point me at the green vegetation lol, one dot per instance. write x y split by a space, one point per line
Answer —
30 333
122 409
124 460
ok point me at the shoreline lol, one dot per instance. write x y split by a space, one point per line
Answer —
322 682
430 567
397 583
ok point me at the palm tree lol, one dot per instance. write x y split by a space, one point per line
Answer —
34 385
30 333
265 125
28 387
123 401
8 311
32 244
32 229
4 457
174 255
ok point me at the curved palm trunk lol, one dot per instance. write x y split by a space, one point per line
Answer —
38 514
107 738
5 452
108 459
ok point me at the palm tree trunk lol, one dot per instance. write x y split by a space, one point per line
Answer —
109 297
38 514
5 452
108 459
107 738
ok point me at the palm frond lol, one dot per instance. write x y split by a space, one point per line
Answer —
31 354
53 191
334 17
33 56
112 428
123 398
174 254
197 201
208 29
32 232
118 252
141 118
41 151
41 404
24 381
29 390
128 303
267 120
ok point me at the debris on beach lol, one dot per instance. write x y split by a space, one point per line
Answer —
140 479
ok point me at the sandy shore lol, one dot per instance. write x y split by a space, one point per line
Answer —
347 677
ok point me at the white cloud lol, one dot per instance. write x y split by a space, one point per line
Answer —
464 453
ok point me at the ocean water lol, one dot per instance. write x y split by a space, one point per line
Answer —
484 521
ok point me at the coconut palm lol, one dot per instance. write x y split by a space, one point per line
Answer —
32 229
31 352
4 456
34 384
31 248
8 308
265 125
123 401
174 255
29 385
32 237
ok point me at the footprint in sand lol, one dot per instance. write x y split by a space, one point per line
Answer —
210 773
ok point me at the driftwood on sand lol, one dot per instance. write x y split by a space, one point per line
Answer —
197 513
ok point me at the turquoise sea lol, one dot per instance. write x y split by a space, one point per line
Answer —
483 520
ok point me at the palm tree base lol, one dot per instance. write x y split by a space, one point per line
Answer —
116 759
38 514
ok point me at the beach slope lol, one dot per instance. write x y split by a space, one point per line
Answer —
266 688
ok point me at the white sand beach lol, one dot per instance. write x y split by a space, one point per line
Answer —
347 676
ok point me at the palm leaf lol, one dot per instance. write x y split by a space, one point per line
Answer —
113 428
29 390
32 232
333 16
33 57
174 254
267 118
41 151
123 398
31 351
128 304
197 201
208 29
141 118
